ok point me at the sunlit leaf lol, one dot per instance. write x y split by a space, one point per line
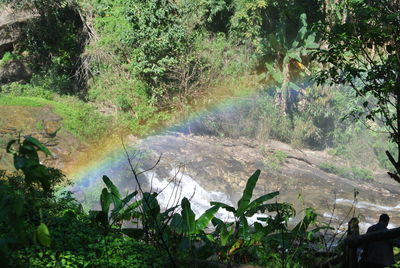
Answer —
247 193
43 235
38 144
224 206
203 221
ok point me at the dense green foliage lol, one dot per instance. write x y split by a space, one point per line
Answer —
363 54
146 62
39 230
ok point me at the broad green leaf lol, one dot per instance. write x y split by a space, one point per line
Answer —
224 206
275 72
188 216
105 200
203 221
254 205
310 42
176 223
247 193
225 234
308 219
218 224
273 42
128 213
243 227
258 227
129 197
115 195
293 54
113 189
38 144
303 29
150 205
43 235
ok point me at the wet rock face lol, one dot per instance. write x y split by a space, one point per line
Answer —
42 124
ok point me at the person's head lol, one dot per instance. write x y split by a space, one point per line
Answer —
384 218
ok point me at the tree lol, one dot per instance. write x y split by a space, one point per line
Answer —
363 53
157 38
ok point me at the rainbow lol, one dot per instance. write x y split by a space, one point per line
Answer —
107 156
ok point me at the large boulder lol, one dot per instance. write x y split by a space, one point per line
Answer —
10 26
15 70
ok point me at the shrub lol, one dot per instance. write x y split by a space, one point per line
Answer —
80 119
275 159
26 90
7 57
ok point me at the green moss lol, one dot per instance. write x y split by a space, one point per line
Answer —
21 101
350 173
79 118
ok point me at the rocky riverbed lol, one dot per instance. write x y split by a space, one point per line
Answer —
216 169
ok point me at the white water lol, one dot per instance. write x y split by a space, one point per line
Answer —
367 205
171 192
370 206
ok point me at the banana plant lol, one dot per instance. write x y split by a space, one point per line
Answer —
189 230
238 234
186 222
288 54
245 208
122 208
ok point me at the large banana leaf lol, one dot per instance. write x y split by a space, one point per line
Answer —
203 221
176 223
150 205
188 217
129 197
275 72
105 200
255 205
224 206
31 140
115 195
243 227
113 189
309 218
247 193
302 31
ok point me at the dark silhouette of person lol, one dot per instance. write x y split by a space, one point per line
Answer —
379 253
